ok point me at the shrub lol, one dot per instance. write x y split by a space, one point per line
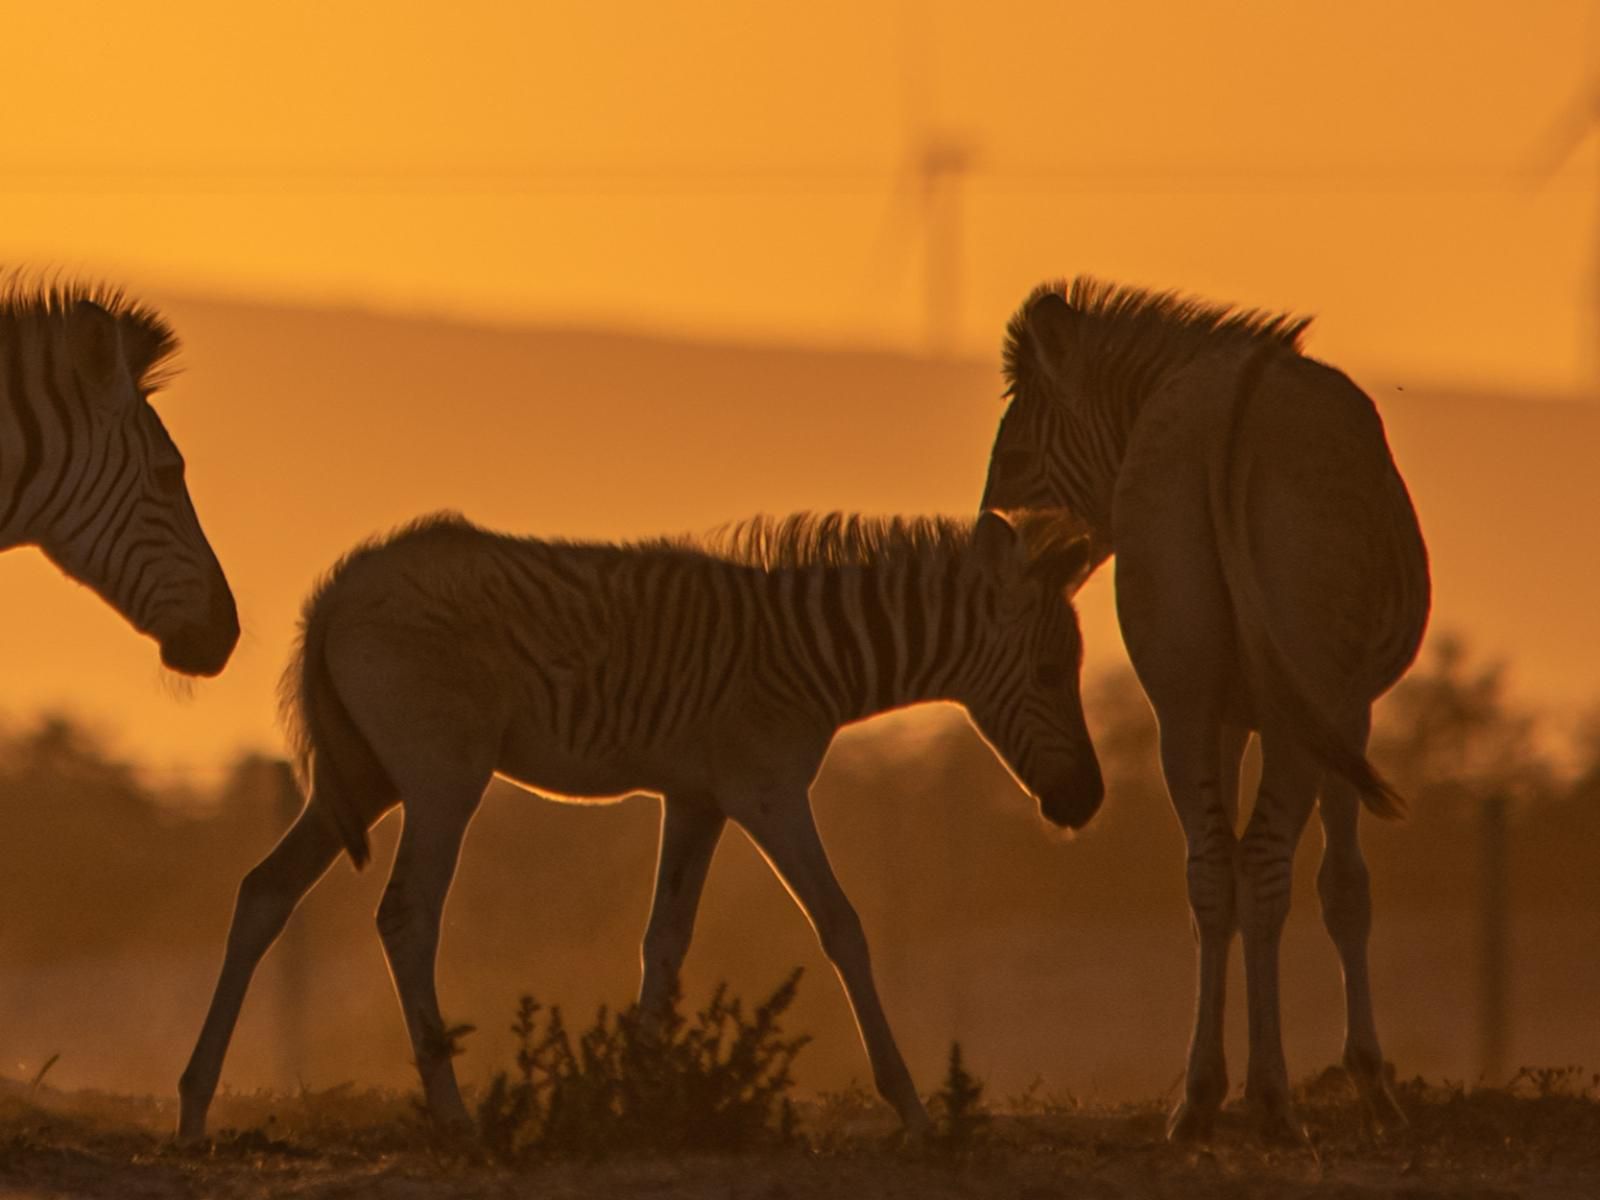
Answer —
719 1081
958 1112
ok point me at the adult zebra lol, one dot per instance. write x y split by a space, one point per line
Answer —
1270 576
89 475
712 674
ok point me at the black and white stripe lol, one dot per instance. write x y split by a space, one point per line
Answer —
626 650
89 474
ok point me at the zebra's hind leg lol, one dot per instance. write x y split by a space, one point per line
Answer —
267 895
1342 885
782 827
434 727
1205 793
690 830
409 918
1289 778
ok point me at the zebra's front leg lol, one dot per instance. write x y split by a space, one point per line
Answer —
783 829
1205 793
1289 779
1343 887
409 917
690 830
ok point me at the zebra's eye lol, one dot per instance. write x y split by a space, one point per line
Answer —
1008 464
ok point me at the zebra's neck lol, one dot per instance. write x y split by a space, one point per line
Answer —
862 640
21 451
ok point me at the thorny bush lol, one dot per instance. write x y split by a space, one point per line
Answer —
719 1081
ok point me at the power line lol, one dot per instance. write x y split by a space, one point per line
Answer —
692 179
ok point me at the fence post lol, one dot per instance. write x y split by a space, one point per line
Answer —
1494 939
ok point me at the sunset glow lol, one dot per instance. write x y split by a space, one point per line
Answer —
1413 175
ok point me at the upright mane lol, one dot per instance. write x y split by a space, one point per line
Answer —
148 337
833 539
1127 334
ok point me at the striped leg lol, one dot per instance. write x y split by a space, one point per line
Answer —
1289 779
268 894
1342 884
690 830
1203 781
409 917
783 829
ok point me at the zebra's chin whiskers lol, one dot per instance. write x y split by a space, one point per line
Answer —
176 685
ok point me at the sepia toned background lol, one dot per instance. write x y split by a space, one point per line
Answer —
634 269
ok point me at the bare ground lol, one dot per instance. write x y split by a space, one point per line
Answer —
1539 1140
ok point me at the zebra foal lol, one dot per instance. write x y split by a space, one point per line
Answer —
712 674
89 475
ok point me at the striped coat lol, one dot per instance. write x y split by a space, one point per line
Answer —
1271 576
713 674
89 475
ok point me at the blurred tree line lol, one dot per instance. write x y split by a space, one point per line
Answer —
87 844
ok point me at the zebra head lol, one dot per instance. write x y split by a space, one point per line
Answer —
1043 389
1024 697
118 517
1019 475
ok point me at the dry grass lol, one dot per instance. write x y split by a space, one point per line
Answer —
1539 1138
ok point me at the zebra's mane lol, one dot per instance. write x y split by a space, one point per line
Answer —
148 337
832 539
771 543
1128 334
767 543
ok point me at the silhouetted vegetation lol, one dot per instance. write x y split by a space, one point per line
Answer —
957 1108
1450 735
1538 1137
718 1081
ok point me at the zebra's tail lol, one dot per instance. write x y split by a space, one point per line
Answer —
334 764
1275 671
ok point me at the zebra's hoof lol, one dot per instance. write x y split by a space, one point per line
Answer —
1191 1122
1278 1127
1385 1118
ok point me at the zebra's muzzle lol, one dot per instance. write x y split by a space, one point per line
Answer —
1072 806
204 647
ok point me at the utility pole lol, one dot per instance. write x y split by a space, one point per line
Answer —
1494 938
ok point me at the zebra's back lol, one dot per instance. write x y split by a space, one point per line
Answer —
608 657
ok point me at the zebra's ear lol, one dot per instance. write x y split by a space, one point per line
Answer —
1050 328
143 347
995 540
95 340
1064 566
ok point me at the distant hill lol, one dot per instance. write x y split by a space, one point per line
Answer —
306 430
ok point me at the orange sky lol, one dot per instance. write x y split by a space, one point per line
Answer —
732 169
737 173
